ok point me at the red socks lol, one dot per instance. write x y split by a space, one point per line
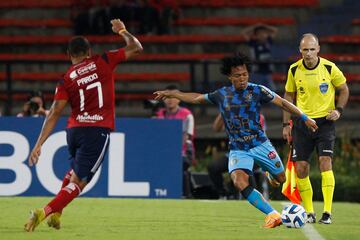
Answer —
63 198
66 179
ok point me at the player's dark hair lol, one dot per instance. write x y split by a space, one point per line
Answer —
238 59
78 46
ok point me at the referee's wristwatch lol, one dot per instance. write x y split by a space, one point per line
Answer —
340 110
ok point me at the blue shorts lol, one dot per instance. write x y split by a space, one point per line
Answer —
87 147
263 155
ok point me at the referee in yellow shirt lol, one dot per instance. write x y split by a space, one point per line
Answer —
311 84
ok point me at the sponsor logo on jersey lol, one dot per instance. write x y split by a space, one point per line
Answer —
73 75
272 155
83 70
324 87
87 79
86 118
86 69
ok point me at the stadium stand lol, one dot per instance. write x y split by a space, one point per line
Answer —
126 77
34 34
225 21
248 3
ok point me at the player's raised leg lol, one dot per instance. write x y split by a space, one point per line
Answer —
240 165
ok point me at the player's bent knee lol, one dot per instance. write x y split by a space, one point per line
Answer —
240 179
246 191
325 163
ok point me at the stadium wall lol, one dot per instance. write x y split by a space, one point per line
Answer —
144 160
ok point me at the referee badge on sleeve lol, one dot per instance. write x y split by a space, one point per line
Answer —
324 87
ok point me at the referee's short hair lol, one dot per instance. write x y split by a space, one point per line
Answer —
237 60
78 46
310 35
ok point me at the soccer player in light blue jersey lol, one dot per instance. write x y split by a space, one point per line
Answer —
239 105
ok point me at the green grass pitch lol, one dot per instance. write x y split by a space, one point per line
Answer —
116 218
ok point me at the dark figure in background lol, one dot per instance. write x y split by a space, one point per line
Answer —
167 11
148 18
172 110
35 106
260 38
80 16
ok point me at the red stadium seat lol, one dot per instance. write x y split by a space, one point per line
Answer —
182 3
342 39
155 39
127 77
226 21
335 57
35 4
4 22
50 96
142 57
248 3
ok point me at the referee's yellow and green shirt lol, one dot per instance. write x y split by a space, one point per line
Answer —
314 88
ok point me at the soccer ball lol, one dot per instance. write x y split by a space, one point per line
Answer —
293 216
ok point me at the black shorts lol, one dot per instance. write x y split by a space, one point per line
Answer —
87 148
305 140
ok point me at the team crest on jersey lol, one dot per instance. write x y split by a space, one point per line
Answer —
272 155
301 89
277 164
234 161
324 87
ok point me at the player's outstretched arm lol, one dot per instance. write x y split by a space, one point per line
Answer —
133 46
290 96
194 98
291 108
49 124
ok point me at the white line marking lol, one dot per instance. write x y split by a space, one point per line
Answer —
309 230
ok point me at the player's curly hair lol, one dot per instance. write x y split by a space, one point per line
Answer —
78 46
234 61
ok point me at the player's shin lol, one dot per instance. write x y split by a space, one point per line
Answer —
63 198
306 193
256 199
328 186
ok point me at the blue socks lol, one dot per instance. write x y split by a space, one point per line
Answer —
257 200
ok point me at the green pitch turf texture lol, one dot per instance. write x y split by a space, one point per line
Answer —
104 219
